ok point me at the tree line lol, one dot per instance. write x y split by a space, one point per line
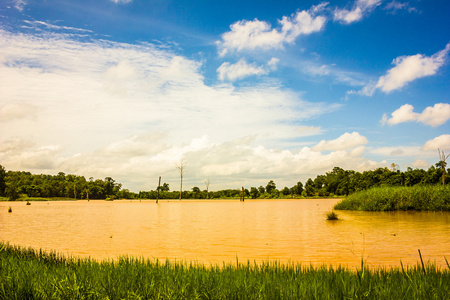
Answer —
337 182
16 184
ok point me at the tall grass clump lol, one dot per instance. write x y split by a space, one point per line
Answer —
31 274
332 216
418 197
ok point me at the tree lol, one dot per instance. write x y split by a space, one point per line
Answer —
180 168
254 193
12 188
164 187
297 189
2 180
109 185
309 187
270 187
441 164
285 191
395 167
261 190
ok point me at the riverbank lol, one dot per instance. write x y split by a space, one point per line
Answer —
418 197
26 273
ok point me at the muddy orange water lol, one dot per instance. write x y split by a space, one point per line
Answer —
221 231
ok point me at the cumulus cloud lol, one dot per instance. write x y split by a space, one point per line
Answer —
398 151
251 35
14 111
359 10
273 63
345 141
441 142
407 69
239 70
410 68
242 69
420 164
228 164
433 115
130 111
318 70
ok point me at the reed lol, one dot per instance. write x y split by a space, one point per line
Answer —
33 274
418 197
332 216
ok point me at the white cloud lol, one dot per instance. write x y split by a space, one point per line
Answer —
273 63
433 115
410 68
420 164
121 1
130 111
436 115
345 141
407 69
242 69
47 25
251 35
360 9
398 151
14 111
318 71
239 70
20 4
395 6
441 142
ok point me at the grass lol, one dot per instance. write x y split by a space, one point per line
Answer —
332 216
33 274
418 197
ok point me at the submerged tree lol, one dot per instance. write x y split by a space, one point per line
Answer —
207 187
180 168
441 164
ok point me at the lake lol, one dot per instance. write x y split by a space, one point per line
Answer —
216 231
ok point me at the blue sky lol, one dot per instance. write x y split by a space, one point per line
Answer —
242 92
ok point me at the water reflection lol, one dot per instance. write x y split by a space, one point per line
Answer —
217 231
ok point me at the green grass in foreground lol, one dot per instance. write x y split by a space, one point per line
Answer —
418 197
31 274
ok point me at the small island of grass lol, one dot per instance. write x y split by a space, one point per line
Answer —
418 197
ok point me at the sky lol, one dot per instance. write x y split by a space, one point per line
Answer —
239 92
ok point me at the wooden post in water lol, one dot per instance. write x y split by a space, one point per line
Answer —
242 194
159 187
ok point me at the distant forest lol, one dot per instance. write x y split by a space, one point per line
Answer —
338 182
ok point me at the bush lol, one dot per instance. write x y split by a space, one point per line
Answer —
418 197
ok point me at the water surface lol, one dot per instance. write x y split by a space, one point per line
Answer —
221 231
